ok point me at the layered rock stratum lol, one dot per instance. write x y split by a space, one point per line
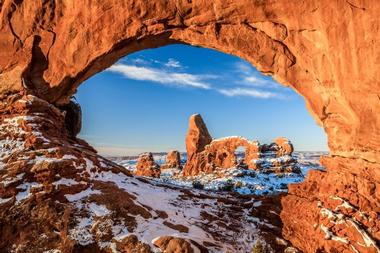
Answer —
325 50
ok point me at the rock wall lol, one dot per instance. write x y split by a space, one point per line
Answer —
326 50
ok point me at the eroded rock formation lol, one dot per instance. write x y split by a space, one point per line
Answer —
173 160
146 166
197 136
221 153
326 50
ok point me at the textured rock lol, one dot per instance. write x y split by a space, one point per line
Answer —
146 166
221 154
131 244
223 150
326 50
172 244
276 158
284 146
197 136
343 205
73 117
173 160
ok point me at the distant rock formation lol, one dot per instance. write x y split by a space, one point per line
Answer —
197 136
173 160
146 166
205 156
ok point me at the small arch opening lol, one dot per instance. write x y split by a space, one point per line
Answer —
240 156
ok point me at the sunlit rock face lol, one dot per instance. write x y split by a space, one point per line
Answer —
220 154
326 50
146 166
173 160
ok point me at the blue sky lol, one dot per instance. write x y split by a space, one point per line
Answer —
143 102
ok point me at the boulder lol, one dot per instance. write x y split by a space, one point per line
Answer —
171 244
284 146
173 160
146 166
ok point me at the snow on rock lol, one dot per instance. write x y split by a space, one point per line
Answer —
83 194
336 217
25 193
240 180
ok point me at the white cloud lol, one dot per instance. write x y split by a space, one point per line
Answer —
160 76
237 92
173 63
244 82
250 77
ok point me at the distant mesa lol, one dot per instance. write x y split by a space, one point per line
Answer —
206 155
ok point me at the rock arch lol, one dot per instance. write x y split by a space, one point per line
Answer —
224 150
326 50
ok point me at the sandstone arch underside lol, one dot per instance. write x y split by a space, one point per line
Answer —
326 50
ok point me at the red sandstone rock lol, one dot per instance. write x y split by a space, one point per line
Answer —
196 139
173 160
197 136
146 166
221 154
285 147
326 50
170 244
131 244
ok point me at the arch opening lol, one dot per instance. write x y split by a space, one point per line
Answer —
162 85
240 155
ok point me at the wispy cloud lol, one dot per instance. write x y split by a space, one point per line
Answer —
161 76
239 92
173 63
243 80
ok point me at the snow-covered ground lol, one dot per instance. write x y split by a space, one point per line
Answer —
243 181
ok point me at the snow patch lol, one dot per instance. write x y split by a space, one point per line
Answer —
83 194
